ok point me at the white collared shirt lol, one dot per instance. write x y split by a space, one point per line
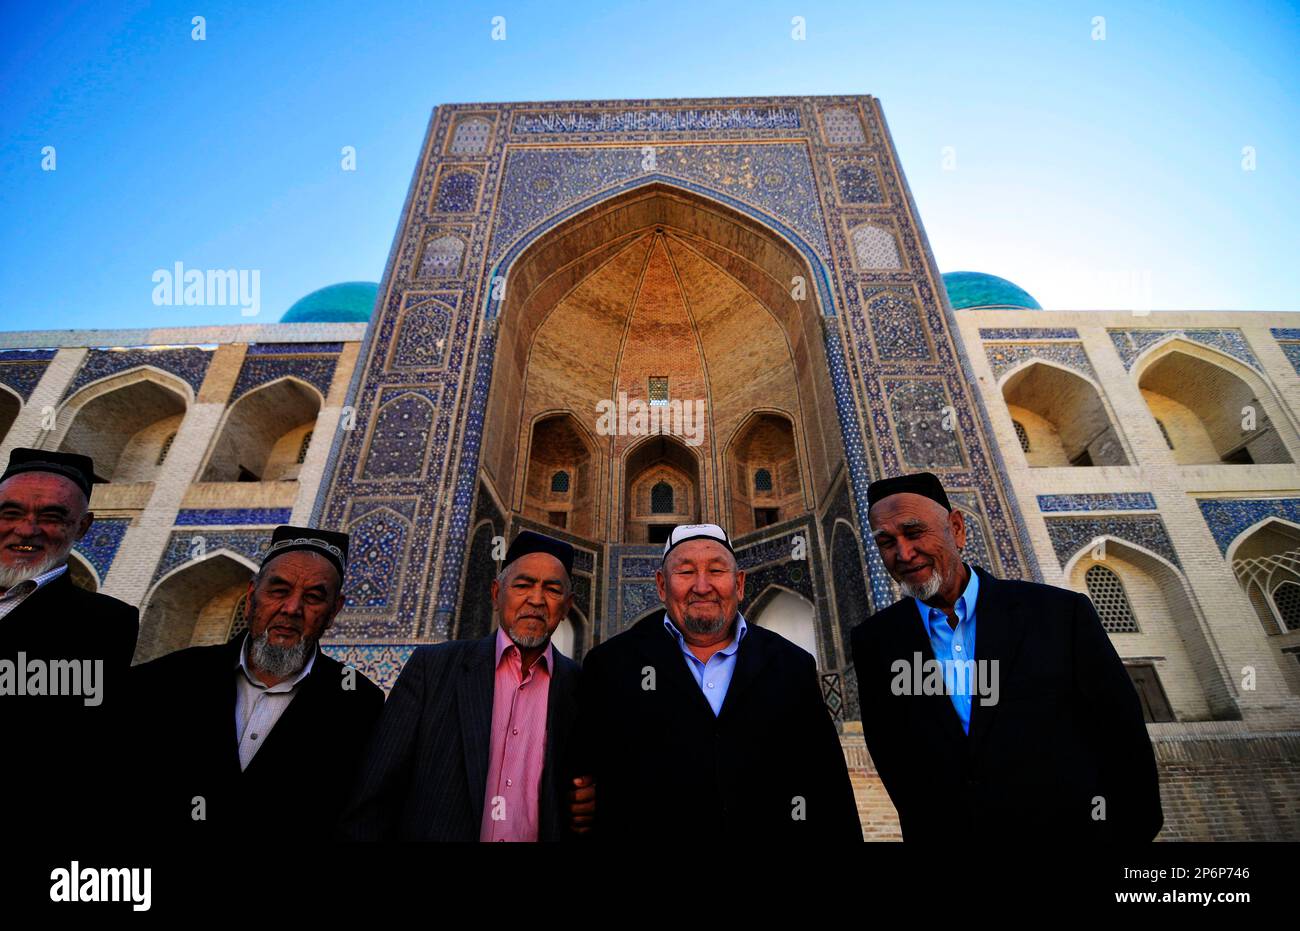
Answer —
258 707
24 590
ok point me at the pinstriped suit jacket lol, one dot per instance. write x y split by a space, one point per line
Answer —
425 773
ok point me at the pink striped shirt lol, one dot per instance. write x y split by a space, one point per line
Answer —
518 745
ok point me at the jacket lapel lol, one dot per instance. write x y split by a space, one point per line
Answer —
665 656
296 717
914 640
751 656
999 629
474 700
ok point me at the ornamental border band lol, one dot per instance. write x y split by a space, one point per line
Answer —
988 705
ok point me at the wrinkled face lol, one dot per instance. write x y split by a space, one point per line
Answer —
700 586
920 542
531 599
41 516
295 598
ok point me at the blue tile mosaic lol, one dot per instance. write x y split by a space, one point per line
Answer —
1228 517
1018 333
1115 501
1005 356
1132 343
457 192
192 545
100 544
403 425
292 349
658 120
1071 534
188 364
316 369
21 369
245 517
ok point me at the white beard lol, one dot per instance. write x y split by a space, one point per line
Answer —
280 661
928 590
16 575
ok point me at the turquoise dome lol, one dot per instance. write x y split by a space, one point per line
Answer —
976 289
349 302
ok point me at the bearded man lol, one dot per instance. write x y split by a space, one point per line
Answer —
473 744
1030 732
64 652
227 730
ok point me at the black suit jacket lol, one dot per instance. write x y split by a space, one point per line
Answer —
666 767
64 766
425 774
1066 730
185 706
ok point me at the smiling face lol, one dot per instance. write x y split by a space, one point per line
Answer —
531 597
294 599
701 588
41 516
920 544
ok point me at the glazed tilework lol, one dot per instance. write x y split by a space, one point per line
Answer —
317 369
1005 356
1132 343
1292 352
920 410
403 426
1019 333
1285 332
422 336
187 364
381 663
21 369
1288 340
833 694
785 174
1071 534
192 545
458 192
99 545
896 326
1113 501
292 349
777 179
842 127
874 247
248 517
471 137
1229 517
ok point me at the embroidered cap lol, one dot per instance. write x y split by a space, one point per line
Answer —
684 532
926 484
78 469
330 544
530 541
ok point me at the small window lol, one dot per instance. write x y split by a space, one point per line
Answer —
1165 433
302 449
1155 705
166 448
1287 598
661 498
762 480
658 533
560 483
658 389
1112 604
1021 435
765 517
558 519
239 618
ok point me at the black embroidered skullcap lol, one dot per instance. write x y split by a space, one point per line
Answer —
529 541
683 532
76 468
922 483
330 544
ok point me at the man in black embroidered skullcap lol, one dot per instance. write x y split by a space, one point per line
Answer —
64 651
473 744
235 728
1031 731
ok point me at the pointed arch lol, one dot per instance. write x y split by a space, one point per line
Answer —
193 604
786 612
11 405
262 431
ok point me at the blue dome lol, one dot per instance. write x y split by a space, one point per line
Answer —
349 302
976 289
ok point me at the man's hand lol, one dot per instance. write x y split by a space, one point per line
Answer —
582 804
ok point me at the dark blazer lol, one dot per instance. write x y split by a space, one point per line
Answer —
425 774
63 771
1067 727
667 768
185 705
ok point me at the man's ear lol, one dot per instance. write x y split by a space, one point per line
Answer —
86 520
660 584
957 521
496 593
740 585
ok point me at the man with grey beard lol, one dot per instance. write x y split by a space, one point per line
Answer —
700 726
1031 732
231 726
59 776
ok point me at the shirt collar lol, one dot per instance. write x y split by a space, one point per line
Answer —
965 606
27 586
741 629
504 643
288 685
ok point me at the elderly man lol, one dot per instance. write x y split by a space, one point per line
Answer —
697 724
232 731
64 652
1030 730
474 741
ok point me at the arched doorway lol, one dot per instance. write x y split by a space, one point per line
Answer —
265 434
125 424
1060 418
196 604
789 614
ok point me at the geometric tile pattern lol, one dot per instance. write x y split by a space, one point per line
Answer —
843 127
442 257
21 369
458 192
402 429
187 545
875 247
1101 501
1228 517
422 334
1071 534
1028 333
381 663
246 517
378 538
896 325
920 409
471 136
188 364
1004 356
271 362
1131 343
101 541
857 181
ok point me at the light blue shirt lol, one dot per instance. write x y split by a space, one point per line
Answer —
955 645
713 677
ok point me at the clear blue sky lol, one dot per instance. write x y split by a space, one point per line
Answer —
1083 168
